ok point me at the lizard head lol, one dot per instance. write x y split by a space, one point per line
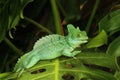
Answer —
76 36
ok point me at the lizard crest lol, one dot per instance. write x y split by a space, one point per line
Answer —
52 46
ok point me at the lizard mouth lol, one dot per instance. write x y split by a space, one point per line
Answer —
84 40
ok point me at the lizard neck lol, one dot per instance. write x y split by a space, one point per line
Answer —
72 42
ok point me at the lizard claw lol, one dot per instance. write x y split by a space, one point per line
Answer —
74 57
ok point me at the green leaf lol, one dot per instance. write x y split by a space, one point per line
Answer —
33 9
2 75
114 47
98 41
117 75
99 59
70 68
111 22
10 14
71 10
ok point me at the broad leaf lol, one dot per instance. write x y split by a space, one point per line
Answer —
33 9
111 22
117 75
98 41
10 14
4 74
114 47
71 10
70 68
99 59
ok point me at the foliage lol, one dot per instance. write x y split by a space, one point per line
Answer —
100 57
58 69
112 22
114 47
97 41
10 13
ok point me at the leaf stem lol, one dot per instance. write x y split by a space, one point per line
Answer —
56 68
92 15
3 63
116 62
56 17
61 9
38 25
12 46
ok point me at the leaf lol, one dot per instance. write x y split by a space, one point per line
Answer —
10 14
111 22
98 41
117 75
99 58
69 68
71 10
33 9
2 75
114 47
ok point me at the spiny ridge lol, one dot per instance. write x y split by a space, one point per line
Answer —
46 40
19 61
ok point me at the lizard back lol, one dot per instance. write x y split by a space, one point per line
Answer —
50 46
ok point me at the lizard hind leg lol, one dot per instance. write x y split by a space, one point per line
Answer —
20 73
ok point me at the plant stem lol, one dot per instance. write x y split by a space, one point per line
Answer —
117 65
38 25
56 69
12 46
56 17
61 9
92 16
3 63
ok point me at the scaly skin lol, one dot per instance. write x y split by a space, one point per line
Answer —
52 46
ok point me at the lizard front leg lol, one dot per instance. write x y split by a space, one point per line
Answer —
70 52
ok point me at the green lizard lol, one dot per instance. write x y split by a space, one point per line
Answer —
52 46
